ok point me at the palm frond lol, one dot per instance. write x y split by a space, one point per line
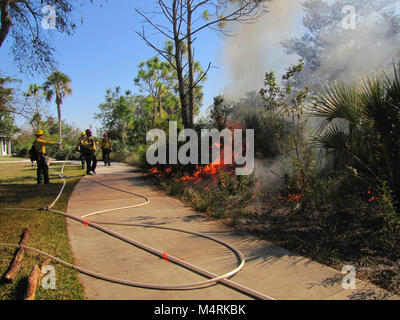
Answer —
336 102
48 94
333 143
333 138
373 101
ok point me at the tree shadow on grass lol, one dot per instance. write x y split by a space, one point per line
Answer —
20 288
18 291
13 195
17 179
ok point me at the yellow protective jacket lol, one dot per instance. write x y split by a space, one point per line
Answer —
106 143
80 145
40 143
89 143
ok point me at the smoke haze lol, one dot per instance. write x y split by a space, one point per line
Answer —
257 49
348 54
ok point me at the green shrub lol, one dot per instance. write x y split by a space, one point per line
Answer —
176 188
202 205
62 154
218 213
139 157
117 157
22 152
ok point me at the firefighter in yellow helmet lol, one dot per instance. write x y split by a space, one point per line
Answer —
90 153
42 167
81 148
106 149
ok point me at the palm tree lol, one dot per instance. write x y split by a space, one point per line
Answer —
338 107
34 91
369 140
58 85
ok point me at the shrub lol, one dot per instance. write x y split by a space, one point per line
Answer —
176 188
22 152
202 205
139 156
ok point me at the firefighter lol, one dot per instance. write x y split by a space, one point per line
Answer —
106 149
42 166
81 149
90 153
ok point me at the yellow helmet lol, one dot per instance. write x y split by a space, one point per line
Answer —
39 132
83 133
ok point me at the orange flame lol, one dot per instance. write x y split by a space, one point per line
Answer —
154 170
291 197
210 170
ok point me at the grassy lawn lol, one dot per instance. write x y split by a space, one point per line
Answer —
10 158
18 188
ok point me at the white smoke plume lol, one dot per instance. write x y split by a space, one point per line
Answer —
349 53
257 48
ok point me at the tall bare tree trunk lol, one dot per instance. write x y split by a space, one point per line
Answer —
154 110
190 63
59 125
123 132
37 111
178 62
159 108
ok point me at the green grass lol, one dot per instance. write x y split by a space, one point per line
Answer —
10 158
18 189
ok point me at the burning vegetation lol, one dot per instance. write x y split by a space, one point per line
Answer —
343 209
214 188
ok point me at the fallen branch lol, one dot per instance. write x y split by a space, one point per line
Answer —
32 283
34 280
45 263
17 262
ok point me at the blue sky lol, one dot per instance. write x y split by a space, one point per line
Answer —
105 52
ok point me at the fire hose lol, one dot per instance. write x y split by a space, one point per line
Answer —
213 278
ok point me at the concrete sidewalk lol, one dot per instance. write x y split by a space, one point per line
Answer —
269 269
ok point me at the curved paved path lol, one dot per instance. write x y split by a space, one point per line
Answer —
269 269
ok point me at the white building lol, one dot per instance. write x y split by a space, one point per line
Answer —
5 146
